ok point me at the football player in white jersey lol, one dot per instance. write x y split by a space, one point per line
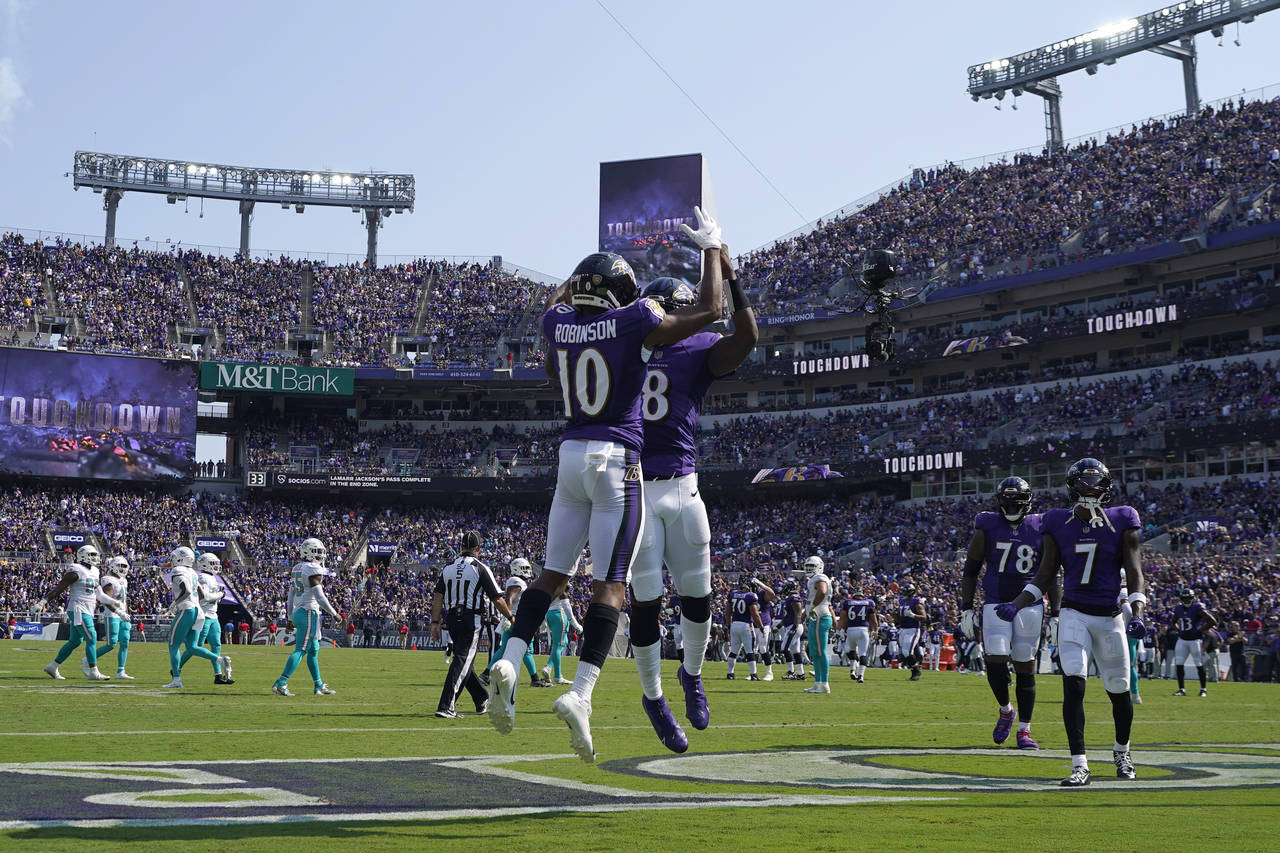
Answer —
80 580
818 618
521 572
306 600
115 582
210 634
188 618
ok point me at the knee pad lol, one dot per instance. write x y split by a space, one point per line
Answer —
696 609
644 622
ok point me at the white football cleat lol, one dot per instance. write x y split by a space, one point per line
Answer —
120 673
176 683
502 701
226 665
52 671
84 666
818 687
94 675
576 712
768 676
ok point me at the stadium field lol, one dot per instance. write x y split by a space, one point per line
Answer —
883 765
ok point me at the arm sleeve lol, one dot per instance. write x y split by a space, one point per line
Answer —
106 599
324 602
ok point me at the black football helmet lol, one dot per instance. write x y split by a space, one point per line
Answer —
1187 595
908 590
1013 497
602 280
1089 480
670 293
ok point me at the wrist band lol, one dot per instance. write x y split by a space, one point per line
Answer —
1034 590
740 299
1137 596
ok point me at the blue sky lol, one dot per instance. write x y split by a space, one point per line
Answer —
503 111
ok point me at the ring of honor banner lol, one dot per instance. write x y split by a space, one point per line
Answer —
99 417
643 203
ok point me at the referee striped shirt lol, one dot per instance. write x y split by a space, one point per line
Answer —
467 584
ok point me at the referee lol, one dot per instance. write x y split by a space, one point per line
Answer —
460 595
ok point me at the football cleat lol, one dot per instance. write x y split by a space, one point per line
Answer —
94 675
448 714
120 673
282 690
818 687
1179 692
545 674
1004 725
753 677
860 680
84 666
915 674
1203 692
1025 741
52 671
537 682
575 711
1124 765
324 690
1078 779
790 676
222 679
664 723
800 676
562 680
502 697
226 665
482 707
853 676
176 684
768 676
729 676
696 710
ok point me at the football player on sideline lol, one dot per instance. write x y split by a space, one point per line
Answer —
81 582
306 600
596 352
859 622
188 618
1007 542
1191 620
676 531
817 617
911 621
793 628
117 623
1094 545
210 592
742 612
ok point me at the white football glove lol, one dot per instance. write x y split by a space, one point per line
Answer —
1053 631
708 234
969 623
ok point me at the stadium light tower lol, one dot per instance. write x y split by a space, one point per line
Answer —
1170 32
376 194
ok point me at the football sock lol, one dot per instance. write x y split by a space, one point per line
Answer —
584 680
751 663
1073 714
649 665
599 627
733 660
695 627
1122 713
1121 747
1024 727
1182 678
515 651
1201 672
1025 689
998 678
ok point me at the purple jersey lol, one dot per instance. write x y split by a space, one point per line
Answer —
858 611
1091 557
766 615
676 380
601 369
740 605
1013 554
1189 620
935 637
906 613
788 616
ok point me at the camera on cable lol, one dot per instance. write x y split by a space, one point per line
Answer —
874 280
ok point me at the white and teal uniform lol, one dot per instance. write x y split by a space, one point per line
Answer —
210 633
118 630
518 584
82 599
304 603
188 620
559 618
819 629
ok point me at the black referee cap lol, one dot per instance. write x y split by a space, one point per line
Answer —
471 540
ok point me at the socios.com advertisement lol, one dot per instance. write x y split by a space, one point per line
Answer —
642 205
96 416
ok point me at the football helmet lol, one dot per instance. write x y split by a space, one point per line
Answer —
87 555
670 293
182 556
1013 497
1089 486
908 590
312 551
118 566
814 564
210 563
602 280
1187 595
521 568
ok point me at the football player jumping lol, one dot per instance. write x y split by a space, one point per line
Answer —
597 342
1094 545
1007 543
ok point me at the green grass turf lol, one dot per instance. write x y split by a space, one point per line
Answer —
384 705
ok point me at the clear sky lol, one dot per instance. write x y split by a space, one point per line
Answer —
503 111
